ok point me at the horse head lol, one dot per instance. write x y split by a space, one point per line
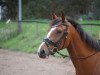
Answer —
56 37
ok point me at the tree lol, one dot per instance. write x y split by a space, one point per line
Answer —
12 6
43 8
97 9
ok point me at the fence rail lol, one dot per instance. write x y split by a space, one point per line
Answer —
30 21
92 28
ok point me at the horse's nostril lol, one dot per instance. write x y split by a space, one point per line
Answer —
42 52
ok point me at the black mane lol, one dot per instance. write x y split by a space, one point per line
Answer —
85 37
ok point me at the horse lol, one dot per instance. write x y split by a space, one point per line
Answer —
83 50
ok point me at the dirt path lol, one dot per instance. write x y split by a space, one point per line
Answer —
18 63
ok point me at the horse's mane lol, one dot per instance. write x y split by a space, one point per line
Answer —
85 37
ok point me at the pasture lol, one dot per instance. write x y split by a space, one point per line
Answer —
33 34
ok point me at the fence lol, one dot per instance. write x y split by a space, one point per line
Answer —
40 29
92 29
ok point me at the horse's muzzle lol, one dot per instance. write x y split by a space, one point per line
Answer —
42 54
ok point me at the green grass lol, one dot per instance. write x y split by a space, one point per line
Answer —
93 31
31 37
7 31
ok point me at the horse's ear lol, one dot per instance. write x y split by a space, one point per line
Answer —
54 16
63 17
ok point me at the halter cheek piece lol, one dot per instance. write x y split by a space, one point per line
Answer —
56 45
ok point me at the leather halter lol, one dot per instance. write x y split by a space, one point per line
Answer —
48 41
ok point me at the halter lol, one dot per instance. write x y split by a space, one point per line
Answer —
56 45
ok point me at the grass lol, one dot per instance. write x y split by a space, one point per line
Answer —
7 31
32 35
93 31
29 39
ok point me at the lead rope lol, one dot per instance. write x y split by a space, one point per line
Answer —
64 56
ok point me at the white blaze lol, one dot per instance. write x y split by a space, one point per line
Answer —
50 31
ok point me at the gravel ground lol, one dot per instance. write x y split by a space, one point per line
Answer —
19 63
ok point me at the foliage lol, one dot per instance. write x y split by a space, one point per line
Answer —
97 9
43 8
12 8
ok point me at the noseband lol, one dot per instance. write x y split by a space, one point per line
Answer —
56 45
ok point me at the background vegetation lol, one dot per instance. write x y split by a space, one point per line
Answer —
89 9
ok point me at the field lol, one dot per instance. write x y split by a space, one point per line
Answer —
32 34
27 41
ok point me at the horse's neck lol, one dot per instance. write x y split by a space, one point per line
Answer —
78 48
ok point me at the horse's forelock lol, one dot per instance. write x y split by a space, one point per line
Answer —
55 22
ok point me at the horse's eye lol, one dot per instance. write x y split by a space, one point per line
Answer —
59 31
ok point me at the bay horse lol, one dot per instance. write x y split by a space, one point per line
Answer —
84 51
